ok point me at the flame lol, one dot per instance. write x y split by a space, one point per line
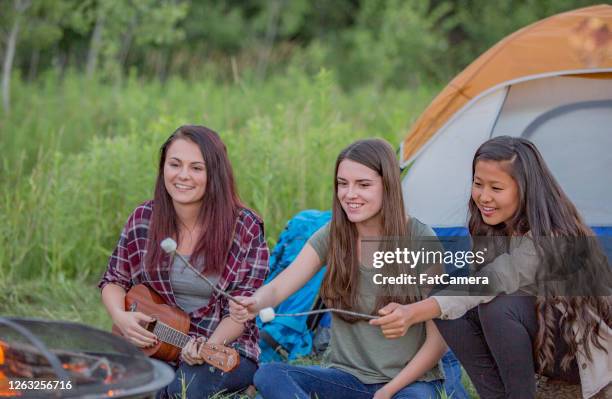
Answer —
75 367
5 390
4 384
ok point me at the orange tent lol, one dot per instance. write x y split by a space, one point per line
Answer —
550 82
575 42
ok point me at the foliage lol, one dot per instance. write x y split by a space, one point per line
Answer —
396 42
386 42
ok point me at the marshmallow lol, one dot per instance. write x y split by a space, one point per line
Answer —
168 245
267 315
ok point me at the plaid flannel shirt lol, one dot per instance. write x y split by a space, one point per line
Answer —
245 271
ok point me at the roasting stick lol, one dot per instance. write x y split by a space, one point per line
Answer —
267 314
169 246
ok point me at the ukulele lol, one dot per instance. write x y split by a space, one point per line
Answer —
171 326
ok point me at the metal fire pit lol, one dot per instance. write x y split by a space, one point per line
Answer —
52 359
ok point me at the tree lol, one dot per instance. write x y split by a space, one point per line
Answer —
120 23
19 9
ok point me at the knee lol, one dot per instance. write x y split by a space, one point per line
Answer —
508 309
268 374
497 309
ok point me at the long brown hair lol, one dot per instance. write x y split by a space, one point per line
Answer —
219 209
341 280
545 211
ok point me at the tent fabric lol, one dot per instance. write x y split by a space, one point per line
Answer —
538 83
552 113
445 167
575 42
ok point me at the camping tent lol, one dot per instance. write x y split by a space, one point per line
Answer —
550 82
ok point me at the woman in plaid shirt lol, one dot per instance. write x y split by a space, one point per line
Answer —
196 203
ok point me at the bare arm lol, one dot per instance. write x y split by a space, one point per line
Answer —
226 332
113 297
425 359
302 269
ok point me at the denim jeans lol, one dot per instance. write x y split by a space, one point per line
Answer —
283 381
452 377
203 381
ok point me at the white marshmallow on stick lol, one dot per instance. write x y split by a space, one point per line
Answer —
168 245
267 315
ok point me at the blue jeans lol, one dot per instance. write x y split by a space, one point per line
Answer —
452 373
282 381
204 381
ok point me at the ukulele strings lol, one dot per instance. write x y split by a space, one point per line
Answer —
213 347
310 312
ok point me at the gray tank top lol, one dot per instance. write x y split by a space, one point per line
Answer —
190 290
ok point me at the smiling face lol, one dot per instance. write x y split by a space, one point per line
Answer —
185 173
360 192
495 192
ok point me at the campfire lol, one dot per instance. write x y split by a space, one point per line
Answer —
40 358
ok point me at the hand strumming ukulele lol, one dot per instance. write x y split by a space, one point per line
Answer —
171 326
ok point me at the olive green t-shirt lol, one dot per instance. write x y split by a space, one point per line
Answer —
361 349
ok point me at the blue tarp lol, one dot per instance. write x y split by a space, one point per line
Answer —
292 332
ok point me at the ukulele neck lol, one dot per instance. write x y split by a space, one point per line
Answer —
169 335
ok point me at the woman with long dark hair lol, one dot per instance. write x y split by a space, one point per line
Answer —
367 203
197 205
549 310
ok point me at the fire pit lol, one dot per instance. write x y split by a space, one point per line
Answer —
41 358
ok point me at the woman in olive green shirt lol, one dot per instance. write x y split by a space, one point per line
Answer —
363 363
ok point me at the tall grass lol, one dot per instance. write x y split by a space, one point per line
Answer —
78 155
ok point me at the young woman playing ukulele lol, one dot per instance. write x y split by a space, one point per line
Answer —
196 204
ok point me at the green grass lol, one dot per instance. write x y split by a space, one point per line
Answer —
78 155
